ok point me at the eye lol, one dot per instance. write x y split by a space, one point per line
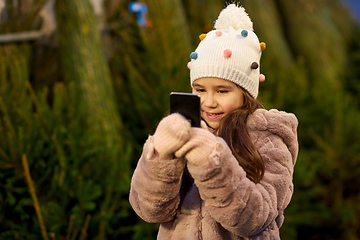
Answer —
222 91
200 90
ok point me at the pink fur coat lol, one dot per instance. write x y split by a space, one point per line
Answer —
222 203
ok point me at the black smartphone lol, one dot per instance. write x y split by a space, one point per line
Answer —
188 105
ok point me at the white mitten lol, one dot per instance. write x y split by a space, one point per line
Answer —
171 134
199 147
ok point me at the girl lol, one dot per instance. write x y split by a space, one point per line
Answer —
232 178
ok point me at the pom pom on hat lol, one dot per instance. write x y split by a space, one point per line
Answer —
254 65
232 51
262 78
235 17
263 46
202 36
193 55
244 33
227 53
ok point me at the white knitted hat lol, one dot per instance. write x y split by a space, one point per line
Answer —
232 51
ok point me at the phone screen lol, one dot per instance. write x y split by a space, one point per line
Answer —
188 105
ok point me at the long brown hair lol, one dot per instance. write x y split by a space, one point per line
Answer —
233 130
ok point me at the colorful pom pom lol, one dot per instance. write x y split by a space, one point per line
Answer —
263 46
202 36
244 33
227 53
194 55
254 65
262 78
188 65
218 33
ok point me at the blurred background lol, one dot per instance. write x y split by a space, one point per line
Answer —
84 82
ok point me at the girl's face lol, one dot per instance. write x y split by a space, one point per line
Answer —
218 98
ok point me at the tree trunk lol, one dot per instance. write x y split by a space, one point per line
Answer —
83 62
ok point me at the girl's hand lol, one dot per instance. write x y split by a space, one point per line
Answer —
171 134
199 147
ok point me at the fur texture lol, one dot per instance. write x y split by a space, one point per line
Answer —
222 203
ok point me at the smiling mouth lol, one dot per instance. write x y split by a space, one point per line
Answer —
213 115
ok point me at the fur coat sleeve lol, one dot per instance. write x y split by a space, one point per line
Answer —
155 185
238 204
232 206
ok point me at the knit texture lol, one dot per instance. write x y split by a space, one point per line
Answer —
229 51
171 134
199 147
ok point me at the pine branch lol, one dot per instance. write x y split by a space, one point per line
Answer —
62 160
34 197
85 227
70 227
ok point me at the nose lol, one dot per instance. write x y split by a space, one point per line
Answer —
209 101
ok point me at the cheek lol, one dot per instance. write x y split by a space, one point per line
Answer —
228 106
201 101
231 104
